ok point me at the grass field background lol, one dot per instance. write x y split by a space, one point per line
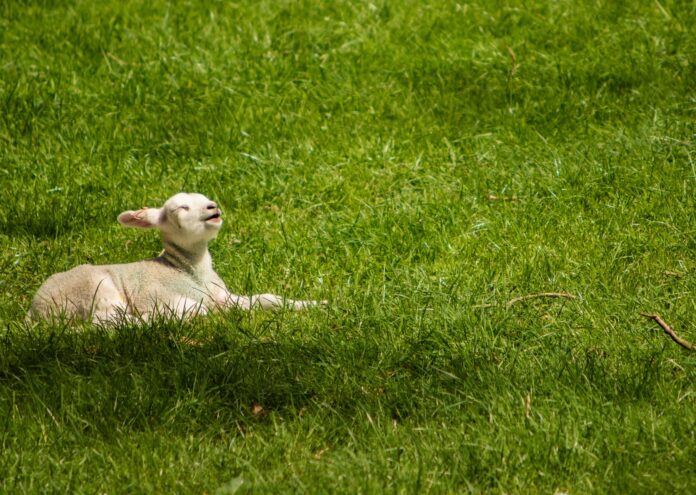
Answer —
419 165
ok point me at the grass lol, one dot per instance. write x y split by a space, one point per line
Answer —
418 164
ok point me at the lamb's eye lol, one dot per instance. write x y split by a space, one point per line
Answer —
184 207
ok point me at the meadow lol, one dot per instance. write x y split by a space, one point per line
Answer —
426 167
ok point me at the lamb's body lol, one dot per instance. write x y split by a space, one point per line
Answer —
180 283
105 292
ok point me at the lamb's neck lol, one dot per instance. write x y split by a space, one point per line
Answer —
194 260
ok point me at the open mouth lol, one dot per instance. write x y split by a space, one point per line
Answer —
214 216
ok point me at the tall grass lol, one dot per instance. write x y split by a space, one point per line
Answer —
418 164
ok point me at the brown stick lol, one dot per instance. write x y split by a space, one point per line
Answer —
668 330
564 295
484 306
524 298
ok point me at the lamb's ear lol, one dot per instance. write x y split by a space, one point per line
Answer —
144 218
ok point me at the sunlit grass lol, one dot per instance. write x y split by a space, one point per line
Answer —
419 165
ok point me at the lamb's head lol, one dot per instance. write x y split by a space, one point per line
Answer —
186 219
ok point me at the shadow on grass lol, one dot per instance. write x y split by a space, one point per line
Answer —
198 373
180 373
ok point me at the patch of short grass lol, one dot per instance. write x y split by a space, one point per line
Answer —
418 164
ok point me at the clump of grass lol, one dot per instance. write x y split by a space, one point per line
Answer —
418 164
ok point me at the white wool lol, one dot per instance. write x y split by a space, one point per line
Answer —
180 282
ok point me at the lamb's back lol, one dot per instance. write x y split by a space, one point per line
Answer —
71 292
136 288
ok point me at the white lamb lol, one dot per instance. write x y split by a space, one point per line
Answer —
180 282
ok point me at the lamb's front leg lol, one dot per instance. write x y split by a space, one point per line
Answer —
267 301
271 301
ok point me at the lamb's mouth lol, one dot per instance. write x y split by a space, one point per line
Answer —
214 216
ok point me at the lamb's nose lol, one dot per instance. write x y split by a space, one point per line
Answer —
212 206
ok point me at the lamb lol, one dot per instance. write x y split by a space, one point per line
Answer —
180 282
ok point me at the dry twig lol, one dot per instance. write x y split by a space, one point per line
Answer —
668 330
485 306
515 65
514 301
564 295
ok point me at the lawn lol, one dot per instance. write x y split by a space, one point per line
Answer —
423 165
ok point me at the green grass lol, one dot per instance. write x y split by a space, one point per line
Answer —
355 148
